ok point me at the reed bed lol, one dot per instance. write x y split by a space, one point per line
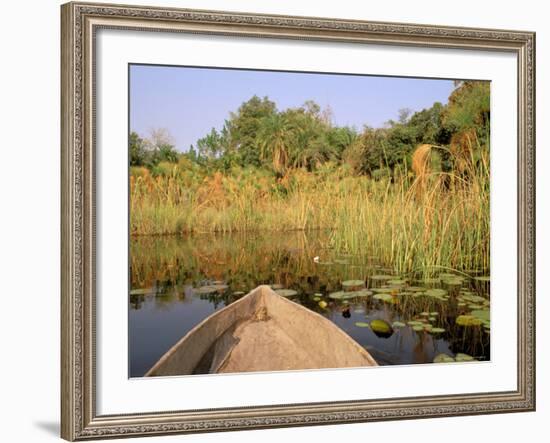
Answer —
411 223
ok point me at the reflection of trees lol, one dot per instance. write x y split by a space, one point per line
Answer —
172 266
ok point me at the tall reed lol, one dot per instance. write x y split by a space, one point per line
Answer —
412 225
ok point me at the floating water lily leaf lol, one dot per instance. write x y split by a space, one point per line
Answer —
437 330
418 328
384 290
482 314
483 278
381 328
415 323
362 324
316 298
398 324
432 318
382 277
431 280
436 292
361 293
468 320
434 313
453 281
474 298
323 304
443 358
461 304
359 310
286 292
463 357
204 290
142 291
318 294
337 295
350 285
387 298
424 314
397 282
276 286
237 293
415 288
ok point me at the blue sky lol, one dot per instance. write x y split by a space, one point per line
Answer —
189 102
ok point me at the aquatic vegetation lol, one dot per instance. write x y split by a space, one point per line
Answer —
362 324
286 292
353 285
381 328
398 324
468 320
443 358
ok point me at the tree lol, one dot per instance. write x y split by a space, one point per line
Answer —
137 150
274 138
243 126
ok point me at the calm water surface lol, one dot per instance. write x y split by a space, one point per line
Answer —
166 300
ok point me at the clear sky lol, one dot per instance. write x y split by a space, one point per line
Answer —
189 102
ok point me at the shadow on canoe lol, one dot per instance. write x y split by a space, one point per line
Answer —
262 332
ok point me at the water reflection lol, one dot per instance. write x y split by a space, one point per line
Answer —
165 304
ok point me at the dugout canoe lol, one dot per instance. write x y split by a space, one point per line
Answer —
262 332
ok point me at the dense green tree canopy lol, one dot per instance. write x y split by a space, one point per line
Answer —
259 135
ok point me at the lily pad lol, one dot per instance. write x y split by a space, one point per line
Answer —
384 290
453 281
237 293
398 324
316 298
468 320
361 293
387 298
443 358
415 288
286 292
381 328
482 314
362 324
350 285
436 292
211 289
483 278
142 291
415 323
397 282
418 328
276 286
337 295
437 330
463 357
382 277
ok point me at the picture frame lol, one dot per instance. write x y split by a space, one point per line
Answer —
79 178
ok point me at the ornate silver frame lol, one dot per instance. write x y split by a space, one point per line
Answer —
80 21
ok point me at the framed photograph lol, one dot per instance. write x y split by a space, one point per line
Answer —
284 221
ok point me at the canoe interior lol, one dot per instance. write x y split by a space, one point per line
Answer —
262 332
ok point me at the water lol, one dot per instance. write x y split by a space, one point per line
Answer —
164 304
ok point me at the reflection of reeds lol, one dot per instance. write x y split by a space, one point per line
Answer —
437 219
